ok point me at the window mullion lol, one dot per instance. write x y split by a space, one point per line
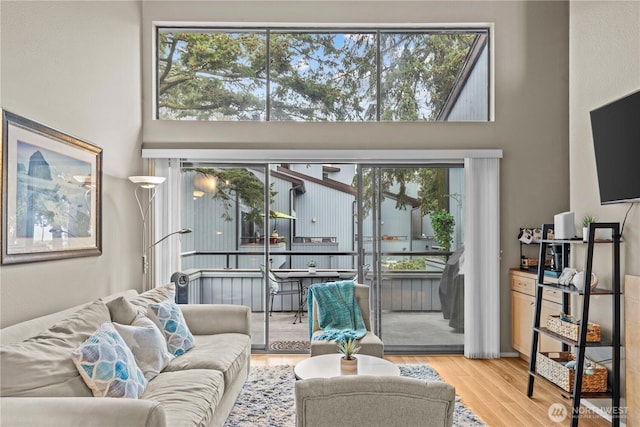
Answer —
378 73
268 75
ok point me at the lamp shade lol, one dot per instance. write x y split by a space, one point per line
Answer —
206 183
147 181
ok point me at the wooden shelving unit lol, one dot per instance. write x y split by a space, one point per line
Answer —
581 344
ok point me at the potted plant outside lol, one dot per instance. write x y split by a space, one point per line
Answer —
443 225
348 361
312 267
586 221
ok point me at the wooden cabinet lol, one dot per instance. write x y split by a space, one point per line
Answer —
523 293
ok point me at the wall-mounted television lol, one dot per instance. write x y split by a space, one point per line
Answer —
616 139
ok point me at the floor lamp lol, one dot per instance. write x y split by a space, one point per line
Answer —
149 183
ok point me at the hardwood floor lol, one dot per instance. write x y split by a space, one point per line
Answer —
496 389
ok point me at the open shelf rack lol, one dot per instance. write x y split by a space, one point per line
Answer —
580 345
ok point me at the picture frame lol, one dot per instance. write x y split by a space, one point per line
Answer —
51 193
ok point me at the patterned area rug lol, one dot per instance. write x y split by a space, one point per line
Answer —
267 398
291 346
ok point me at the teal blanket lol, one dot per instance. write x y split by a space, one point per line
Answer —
338 314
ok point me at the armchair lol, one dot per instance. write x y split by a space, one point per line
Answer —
370 344
371 401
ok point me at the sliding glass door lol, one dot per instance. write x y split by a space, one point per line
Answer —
257 229
412 238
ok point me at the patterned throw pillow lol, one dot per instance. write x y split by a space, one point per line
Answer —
169 318
147 344
107 365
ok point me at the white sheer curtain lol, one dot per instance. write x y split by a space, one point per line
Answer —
482 258
167 220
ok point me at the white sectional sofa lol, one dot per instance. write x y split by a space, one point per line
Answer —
41 386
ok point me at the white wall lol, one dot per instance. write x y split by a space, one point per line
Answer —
75 66
604 65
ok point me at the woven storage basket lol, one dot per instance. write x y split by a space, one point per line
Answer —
551 366
572 330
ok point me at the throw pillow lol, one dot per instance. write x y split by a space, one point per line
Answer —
169 318
107 365
147 344
122 311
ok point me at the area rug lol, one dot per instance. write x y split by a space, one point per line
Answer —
290 345
267 398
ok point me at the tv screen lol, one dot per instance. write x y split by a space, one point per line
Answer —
616 140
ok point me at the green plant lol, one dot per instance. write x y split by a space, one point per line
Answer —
348 348
311 264
588 219
443 225
408 264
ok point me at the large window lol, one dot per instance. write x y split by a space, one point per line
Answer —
333 75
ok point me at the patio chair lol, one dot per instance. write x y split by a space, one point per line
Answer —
373 401
275 288
370 344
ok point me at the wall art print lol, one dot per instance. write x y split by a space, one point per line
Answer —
51 193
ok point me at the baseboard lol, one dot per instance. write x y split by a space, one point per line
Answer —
516 354
601 412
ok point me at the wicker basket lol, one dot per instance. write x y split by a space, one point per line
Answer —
551 366
572 329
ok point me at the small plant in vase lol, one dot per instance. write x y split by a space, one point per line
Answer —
586 221
311 266
348 349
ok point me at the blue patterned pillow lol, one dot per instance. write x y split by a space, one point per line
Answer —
169 318
107 365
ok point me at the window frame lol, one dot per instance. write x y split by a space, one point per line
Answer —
376 29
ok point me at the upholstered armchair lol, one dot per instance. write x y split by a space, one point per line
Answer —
370 344
372 401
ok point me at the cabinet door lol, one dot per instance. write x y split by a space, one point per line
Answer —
522 312
522 309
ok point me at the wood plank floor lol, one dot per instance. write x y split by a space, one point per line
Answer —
496 390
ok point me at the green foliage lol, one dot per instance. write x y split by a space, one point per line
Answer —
313 76
443 225
431 182
238 183
408 264
588 219
348 348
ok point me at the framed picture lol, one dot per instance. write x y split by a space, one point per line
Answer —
51 193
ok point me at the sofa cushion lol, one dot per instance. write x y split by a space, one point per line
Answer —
107 365
155 295
169 318
122 311
42 365
226 353
147 344
189 397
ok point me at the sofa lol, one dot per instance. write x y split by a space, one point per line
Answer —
42 386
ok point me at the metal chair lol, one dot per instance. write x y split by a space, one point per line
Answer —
276 289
